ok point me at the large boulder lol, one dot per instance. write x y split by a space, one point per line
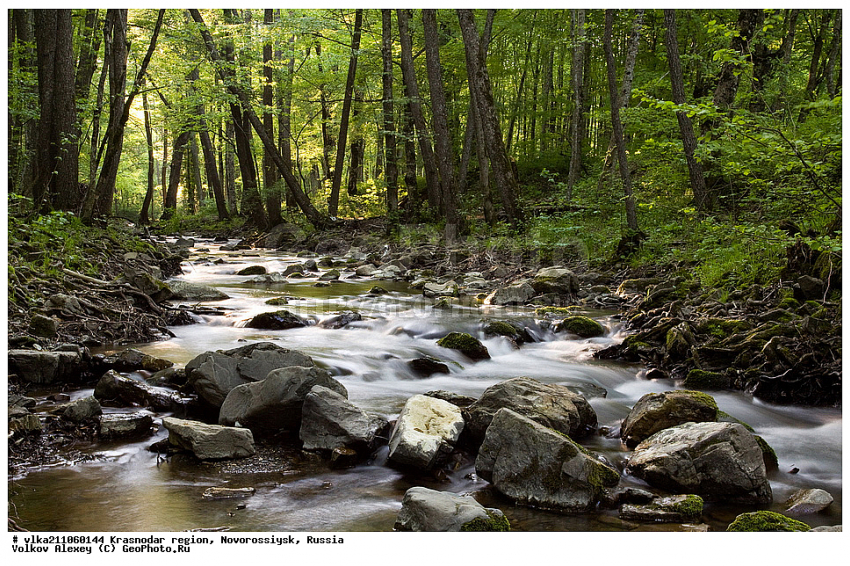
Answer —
116 389
47 368
274 404
428 510
558 280
214 374
329 421
82 409
427 428
209 442
535 465
553 406
517 294
657 411
185 291
716 460
276 320
125 425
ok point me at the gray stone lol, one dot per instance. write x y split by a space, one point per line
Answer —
433 289
214 374
329 421
553 406
366 270
558 280
517 294
133 360
25 424
811 287
228 492
43 326
125 425
209 442
426 428
535 465
185 291
672 509
276 320
657 411
82 409
275 403
47 368
718 461
808 501
113 388
428 510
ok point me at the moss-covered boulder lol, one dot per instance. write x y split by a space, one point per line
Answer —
252 270
466 344
673 509
428 510
701 379
508 329
759 521
535 465
583 326
558 280
656 411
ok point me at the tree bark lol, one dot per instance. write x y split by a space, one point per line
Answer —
57 170
577 74
617 126
333 201
327 140
391 165
177 151
479 84
270 173
442 137
409 75
146 203
689 141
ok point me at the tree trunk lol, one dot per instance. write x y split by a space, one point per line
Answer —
333 201
577 73
146 203
391 165
270 173
327 140
409 74
625 90
170 205
834 56
57 171
442 138
617 126
479 84
213 178
230 169
284 104
358 150
686 128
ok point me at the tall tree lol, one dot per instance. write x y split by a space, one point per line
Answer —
270 173
577 122
333 201
677 82
479 85
442 137
391 169
213 178
632 235
144 218
56 180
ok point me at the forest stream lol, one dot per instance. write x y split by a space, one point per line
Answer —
126 487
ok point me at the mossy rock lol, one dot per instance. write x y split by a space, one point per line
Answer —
722 328
278 301
495 522
554 311
760 521
789 303
466 344
771 461
252 270
512 330
701 379
581 325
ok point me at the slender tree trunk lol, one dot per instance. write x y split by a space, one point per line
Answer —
577 72
333 201
391 165
409 74
87 61
625 90
327 140
146 203
358 150
213 177
270 173
834 56
177 151
617 126
686 128
442 137
164 174
230 169
479 83
284 120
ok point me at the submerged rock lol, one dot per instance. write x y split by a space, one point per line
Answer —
427 366
535 465
426 428
428 510
673 509
718 461
209 442
553 406
274 404
276 320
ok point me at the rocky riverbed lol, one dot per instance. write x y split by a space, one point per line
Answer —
264 408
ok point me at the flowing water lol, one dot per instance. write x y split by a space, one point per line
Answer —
127 488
